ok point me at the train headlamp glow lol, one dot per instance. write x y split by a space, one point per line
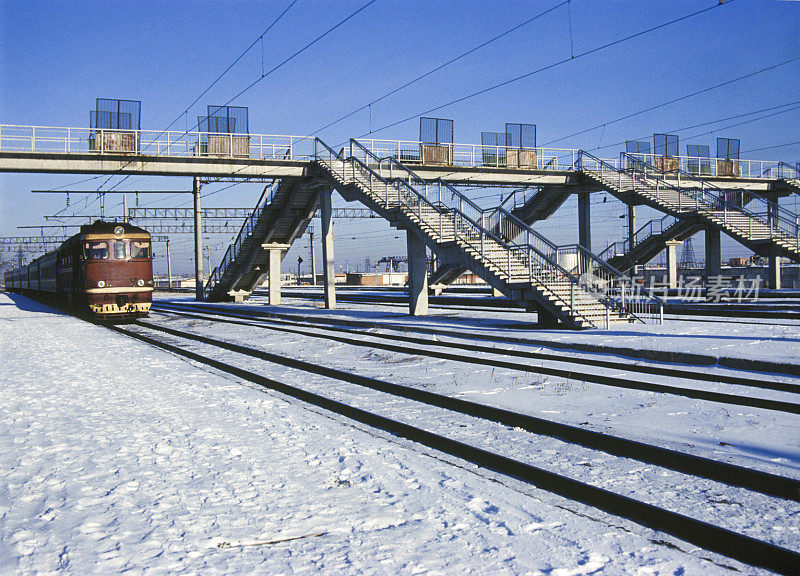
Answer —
140 282
100 284
119 231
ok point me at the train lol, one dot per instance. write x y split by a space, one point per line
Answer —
104 271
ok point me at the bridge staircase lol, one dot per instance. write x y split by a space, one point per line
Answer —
788 177
493 243
540 206
761 225
649 241
282 215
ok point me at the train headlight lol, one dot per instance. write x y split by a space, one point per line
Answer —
140 282
100 284
119 231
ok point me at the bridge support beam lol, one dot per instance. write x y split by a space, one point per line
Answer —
713 252
417 275
584 220
198 241
672 262
326 213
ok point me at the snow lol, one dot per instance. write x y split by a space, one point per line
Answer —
118 457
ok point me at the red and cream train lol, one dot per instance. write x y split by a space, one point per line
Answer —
105 270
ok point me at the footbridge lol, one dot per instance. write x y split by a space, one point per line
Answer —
413 186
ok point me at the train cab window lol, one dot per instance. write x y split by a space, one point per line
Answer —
96 250
140 249
119 249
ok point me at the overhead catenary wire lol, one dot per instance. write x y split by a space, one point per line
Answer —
440 67
674 100
550 66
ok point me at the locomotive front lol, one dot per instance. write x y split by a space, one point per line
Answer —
118 270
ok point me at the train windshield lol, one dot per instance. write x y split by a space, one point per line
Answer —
119 249
140 249
96 250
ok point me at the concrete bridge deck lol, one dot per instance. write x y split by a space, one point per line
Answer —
39 149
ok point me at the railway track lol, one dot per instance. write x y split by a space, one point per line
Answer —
777 316
423 347
706 535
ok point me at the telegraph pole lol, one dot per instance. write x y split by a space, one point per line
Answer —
198 242
169 266
313 260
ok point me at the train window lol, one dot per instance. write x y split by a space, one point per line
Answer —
140 249
119 249
96 250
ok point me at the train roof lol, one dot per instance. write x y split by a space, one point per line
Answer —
101 227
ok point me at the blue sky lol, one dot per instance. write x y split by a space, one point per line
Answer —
56 57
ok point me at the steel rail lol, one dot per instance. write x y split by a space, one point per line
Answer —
731 474
571 374
708 536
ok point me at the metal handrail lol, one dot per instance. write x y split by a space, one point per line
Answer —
773 213
710 166
248 226
705 200
476 233
60 140
788 167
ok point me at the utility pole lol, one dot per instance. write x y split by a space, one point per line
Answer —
313 260
169 266
299 261
125 208
208 258
198 242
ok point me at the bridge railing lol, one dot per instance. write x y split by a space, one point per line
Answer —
786 170
245 232
472 155
699 166
54 140
692 192
764 215
482 229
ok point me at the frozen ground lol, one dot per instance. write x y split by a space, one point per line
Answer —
116 457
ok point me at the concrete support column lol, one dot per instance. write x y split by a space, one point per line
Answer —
198 242
774 276
713 252
326 211
417 275
584 220
672 263
274 276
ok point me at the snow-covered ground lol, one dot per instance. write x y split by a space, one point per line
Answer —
118 457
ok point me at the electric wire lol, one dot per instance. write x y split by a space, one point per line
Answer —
549 67
440 67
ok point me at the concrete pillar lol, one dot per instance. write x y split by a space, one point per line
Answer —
672 263
198 242
329 282
632 233
713 252
417 275
584 220
774 275
274 276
